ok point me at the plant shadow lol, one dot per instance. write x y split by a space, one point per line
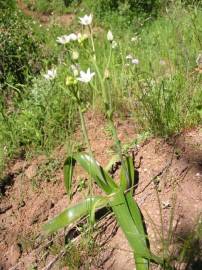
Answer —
189 251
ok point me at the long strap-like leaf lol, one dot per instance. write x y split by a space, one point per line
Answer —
102 178
74 213
127 175
126 222
131 223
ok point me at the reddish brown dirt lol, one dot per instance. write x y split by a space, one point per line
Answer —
65 19
32 198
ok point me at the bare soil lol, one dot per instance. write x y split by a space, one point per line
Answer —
65 19
170 184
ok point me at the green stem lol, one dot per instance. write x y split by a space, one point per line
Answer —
84 130
109 114
85 133
109 58
92 42
116 139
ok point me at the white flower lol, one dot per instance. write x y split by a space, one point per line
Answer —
67 38
63 39
72 37
110 36
86 77
129 56
86 20
51 74
135 61
114 44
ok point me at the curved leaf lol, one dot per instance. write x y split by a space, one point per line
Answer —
102 202
93 168
74 213
130 220
127 174
102 178
68 173
127 224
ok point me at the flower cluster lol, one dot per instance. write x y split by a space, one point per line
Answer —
85 77
77 73
71 37
86 20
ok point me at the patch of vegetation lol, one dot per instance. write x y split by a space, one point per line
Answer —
46 171
48 7
161 91
145 67
20 51
11 4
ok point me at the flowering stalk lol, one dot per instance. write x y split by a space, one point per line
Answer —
84 130
118 196
109 111
72 83
92 41
75 91
87 21
86 138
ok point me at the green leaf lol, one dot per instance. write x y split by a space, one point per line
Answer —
127 174
126 221
138 221
131 223
135 214
74 213
102 202
68 173
199 110
93 168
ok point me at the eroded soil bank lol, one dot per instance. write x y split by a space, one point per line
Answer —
169 193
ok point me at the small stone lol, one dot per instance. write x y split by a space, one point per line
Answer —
166 205
31 171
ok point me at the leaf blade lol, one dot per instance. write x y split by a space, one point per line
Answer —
95 170
74 213
127 174
69 165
